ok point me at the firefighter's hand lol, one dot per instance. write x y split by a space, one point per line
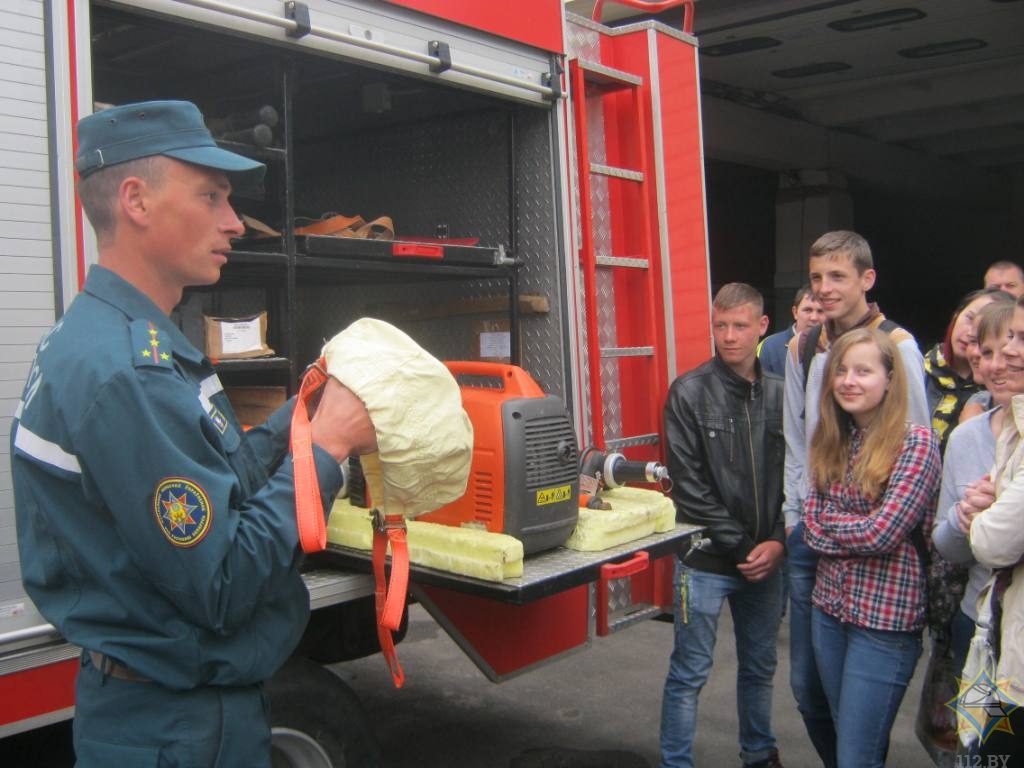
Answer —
762 561
341 424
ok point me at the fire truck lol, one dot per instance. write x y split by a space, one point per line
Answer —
542 177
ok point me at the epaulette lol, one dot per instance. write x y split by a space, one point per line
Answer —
150 345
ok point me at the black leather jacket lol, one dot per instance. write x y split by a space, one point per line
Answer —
726 453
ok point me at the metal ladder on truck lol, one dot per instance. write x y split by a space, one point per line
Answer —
629 330
624 358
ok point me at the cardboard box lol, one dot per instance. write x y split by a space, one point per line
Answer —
252 405
237 338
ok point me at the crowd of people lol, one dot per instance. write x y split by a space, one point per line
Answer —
871 492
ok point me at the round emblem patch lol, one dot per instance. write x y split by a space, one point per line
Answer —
182 510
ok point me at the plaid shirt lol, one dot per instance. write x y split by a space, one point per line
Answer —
870 573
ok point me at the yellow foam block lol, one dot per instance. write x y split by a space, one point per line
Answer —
467 551
634 513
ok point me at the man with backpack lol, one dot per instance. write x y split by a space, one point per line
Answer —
841 273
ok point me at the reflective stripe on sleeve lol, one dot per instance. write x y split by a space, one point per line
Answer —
33 445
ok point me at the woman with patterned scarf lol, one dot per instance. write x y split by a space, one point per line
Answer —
948 378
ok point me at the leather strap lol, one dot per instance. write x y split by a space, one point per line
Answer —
333 226
309 507
111 668
389 596
381 228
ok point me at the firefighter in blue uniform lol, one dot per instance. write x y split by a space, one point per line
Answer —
153 532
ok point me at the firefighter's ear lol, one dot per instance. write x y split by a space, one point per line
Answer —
132 198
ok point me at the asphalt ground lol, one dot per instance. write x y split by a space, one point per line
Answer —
595 708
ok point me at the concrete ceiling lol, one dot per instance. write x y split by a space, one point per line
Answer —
939 83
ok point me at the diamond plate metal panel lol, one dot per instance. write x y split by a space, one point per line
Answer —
583 41
451 171
539 235
455 171
620 594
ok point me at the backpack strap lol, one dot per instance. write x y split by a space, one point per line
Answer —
896 332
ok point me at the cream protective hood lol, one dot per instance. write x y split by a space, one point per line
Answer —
424 437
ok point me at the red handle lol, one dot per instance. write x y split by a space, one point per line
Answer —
637 563
654 6
417 249
631 567
514 379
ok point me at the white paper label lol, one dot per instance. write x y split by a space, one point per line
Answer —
495 344
240 336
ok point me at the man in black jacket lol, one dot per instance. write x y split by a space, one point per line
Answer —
723 426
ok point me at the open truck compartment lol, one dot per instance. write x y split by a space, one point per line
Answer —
549 197
469 180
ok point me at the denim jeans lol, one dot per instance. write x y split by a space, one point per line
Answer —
865 673
756 610
801 570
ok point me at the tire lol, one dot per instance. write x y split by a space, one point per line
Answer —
345 631
317 721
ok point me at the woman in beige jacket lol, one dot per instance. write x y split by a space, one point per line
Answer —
997 540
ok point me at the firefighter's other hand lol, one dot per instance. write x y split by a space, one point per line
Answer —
341 424
762 561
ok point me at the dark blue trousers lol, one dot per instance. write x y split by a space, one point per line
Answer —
124 724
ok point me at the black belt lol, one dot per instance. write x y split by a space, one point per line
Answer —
115 669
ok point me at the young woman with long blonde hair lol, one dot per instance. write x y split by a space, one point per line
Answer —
868 512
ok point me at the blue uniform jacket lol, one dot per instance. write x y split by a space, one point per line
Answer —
150 527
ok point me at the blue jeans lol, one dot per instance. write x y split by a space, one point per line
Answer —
801 570
865 673
756 610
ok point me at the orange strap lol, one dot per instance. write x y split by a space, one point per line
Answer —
309 516
390 597
309 508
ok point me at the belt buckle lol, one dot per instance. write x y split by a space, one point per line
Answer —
385 523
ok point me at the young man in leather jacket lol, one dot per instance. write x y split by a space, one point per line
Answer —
723 427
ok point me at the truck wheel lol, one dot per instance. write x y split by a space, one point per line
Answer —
317 721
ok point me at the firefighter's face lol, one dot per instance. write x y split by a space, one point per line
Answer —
736 333
192 223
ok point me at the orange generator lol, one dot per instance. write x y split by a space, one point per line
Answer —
524 478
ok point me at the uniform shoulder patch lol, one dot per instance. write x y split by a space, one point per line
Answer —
150 345
182 511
